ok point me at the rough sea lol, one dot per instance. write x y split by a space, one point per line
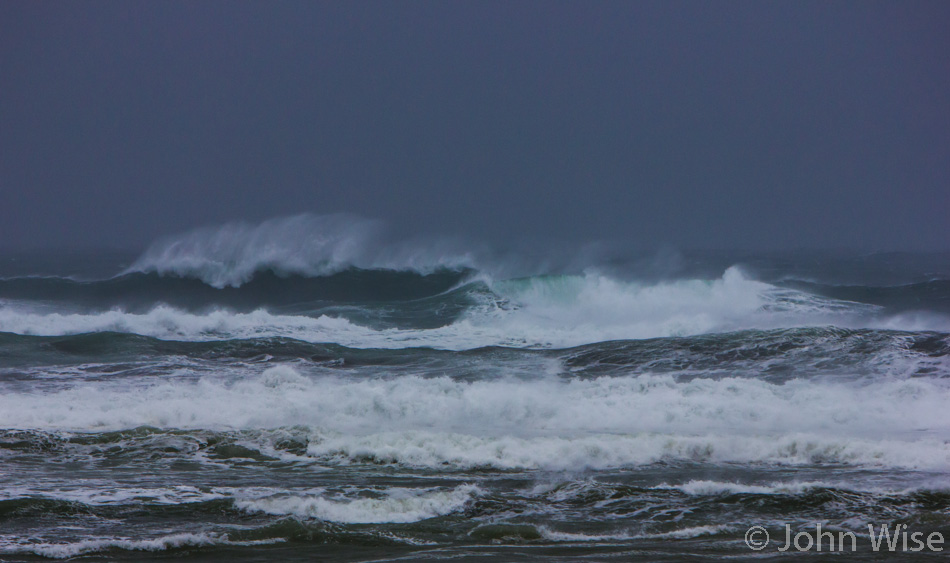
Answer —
305 390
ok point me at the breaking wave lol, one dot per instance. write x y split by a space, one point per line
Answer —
542 423
546 311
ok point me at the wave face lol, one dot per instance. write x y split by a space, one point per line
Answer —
262 391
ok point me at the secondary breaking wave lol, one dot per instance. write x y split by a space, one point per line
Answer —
774 355
512 423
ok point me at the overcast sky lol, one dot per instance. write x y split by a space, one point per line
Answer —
721 123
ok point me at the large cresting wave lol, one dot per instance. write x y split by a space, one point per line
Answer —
309 245
540 311
346 280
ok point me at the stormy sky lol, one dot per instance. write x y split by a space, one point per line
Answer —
694 124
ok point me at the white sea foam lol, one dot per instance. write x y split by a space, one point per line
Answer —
12 545
606 451
540 423
103 494
703 487
394 505
682 533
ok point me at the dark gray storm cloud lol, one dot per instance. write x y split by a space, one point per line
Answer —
767 124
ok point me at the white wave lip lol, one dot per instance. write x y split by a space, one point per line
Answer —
555 311
284 396
535 423
393 506
463 451
115 496
702 487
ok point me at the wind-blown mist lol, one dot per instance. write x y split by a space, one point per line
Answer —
309 245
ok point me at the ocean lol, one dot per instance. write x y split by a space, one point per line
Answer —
305 390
